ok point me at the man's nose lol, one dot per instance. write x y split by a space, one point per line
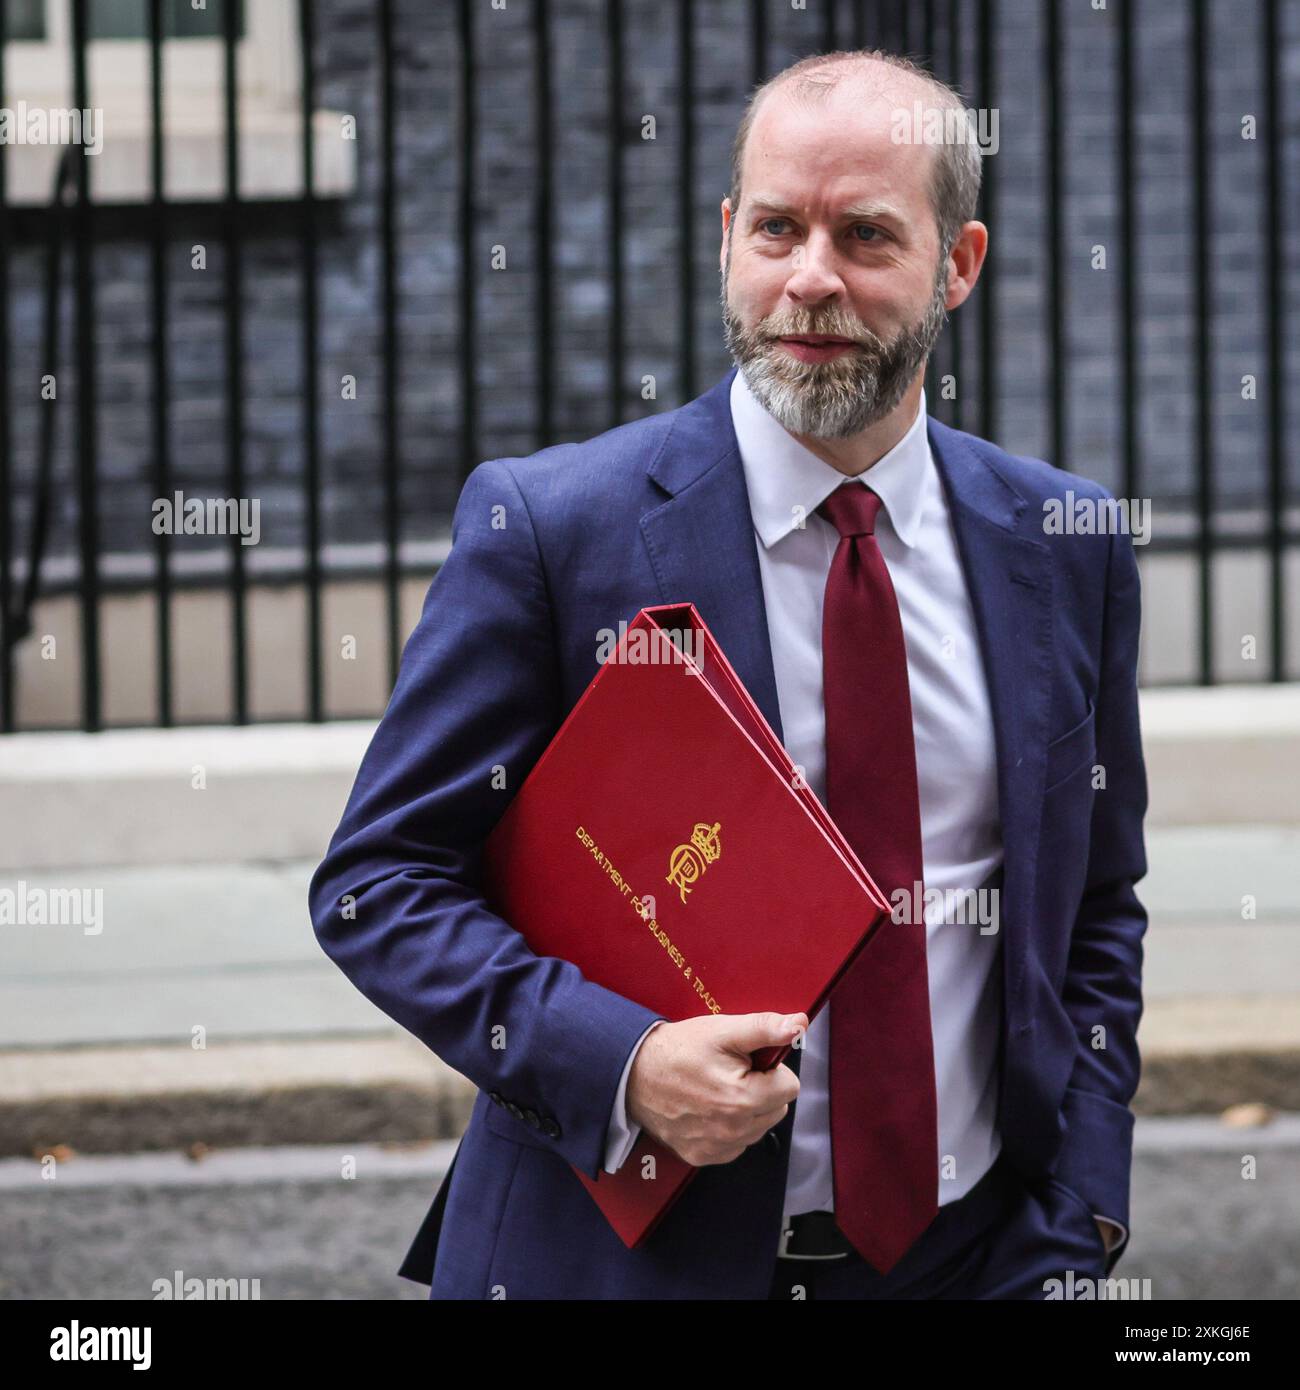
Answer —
813 273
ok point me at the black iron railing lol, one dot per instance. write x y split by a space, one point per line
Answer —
959 38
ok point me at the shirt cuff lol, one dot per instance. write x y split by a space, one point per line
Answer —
622 1134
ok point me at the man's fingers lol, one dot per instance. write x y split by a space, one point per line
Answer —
771 1118
770 1089
747 1033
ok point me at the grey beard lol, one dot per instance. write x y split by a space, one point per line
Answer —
838 399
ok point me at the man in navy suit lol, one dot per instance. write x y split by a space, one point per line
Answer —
1016 643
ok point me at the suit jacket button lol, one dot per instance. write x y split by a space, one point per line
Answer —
496 1098
549 1126
533 1118
773 1140
514 1110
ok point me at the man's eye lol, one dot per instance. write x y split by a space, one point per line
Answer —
769 222
866 227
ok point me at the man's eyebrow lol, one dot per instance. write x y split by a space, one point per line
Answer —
869 209
875 209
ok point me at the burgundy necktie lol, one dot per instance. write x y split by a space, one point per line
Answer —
884 1135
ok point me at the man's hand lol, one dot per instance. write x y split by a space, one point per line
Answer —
693 1087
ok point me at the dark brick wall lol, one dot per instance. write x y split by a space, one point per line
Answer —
506 350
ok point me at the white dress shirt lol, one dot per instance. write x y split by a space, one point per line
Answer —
956 773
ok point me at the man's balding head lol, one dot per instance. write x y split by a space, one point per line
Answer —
872 77
846 239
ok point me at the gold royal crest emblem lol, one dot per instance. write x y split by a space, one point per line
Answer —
687 862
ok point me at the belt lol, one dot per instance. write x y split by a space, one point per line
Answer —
813 1235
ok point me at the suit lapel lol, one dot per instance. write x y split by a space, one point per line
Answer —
1009 578
702 544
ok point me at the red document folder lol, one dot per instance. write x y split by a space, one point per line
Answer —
666 844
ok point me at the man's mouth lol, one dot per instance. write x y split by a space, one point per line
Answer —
816 347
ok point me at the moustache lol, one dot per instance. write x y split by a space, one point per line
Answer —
858 334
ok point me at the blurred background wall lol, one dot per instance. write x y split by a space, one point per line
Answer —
510 238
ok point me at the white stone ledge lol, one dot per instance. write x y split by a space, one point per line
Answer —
1223 755
1216 756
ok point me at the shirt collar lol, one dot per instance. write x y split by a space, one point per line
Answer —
782 475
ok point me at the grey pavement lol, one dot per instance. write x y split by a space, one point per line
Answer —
204 1012
230 947
289 1218
86 1020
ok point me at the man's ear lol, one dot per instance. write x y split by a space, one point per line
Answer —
726 222
966 259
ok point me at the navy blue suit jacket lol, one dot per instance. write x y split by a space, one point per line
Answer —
547 551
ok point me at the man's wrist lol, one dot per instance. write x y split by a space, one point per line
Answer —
623 1130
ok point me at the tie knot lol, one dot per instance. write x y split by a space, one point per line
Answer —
852 509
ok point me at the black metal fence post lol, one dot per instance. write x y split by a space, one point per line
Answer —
160 342
234 340
7 719
311 470
87 397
